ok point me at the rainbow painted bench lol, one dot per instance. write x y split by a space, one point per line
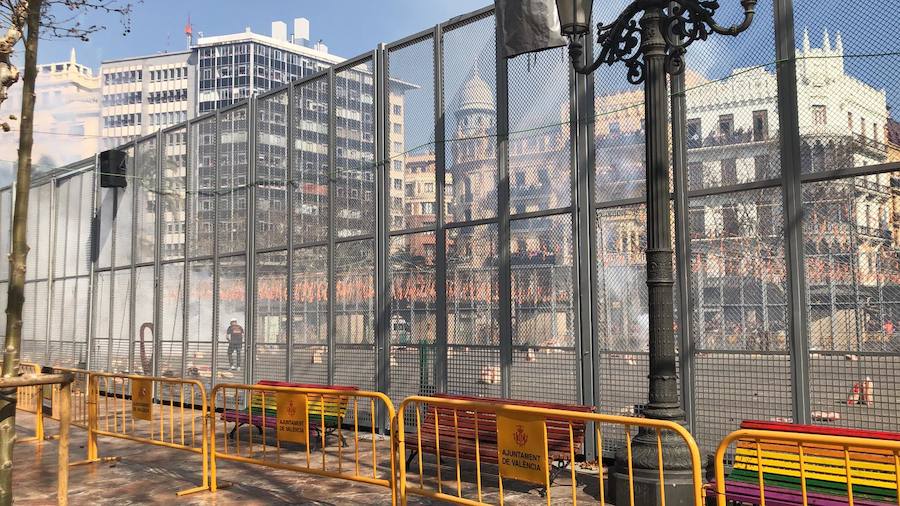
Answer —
874 481
325 411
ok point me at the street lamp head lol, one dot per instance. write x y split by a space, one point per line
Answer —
574 16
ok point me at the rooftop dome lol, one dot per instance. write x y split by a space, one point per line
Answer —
476 94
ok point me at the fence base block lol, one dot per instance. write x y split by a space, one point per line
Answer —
192 490
679 487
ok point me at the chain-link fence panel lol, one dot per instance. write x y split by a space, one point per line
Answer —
143 331
543 309
271 218
120 359
271 308
172 195
311 170
539 142
354 314
473 327
199 315
202 185
852 276
310 345
354 150
146 196
739 285
233 177
412 185
122 213
231 319
171 320
846 85
470 120
99 358
413 317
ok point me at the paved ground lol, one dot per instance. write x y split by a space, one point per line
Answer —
150 475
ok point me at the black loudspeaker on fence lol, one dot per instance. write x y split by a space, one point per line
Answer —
112 169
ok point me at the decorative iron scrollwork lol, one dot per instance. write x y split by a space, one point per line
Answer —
682 23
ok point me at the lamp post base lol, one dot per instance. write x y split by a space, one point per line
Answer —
677 475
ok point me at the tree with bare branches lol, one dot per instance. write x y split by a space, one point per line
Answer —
30 19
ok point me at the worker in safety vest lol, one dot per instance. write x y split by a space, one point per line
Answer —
235 335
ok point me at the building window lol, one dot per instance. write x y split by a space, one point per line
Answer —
695 175
850 122
397 128
761 166
820 114
694 133
729 172
760 125
875 132
726 125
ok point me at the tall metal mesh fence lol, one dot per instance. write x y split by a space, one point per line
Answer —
412 225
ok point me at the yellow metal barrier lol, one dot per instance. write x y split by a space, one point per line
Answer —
168 412
514 439
79 393
853 463
31 399
290 421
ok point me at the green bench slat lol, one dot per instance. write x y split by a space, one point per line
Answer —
812 484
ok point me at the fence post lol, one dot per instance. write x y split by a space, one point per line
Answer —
382 240
62 465
789 135
440 239
581 125
682 249
504 288
93 399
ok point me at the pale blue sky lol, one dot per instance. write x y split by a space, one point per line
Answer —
348 27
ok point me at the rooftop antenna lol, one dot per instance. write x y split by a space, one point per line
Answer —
189 32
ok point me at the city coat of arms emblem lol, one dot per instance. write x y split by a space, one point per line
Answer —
520 436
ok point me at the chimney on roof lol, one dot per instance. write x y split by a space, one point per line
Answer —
301 31
279 30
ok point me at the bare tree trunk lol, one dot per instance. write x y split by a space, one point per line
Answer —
16 296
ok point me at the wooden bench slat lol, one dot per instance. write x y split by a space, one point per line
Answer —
860 454
779 496
825 486
826 464
819 429
826 473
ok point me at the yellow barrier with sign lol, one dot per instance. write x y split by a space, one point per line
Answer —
518 439
167 412
293 423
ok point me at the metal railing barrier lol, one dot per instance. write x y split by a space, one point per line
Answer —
161 411
79 403
293 424
30 399
518 442
37 381
804 468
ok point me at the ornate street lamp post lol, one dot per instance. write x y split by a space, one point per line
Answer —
651 48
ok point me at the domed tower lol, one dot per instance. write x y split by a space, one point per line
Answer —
473 158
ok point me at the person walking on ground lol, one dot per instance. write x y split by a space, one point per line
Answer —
235 335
